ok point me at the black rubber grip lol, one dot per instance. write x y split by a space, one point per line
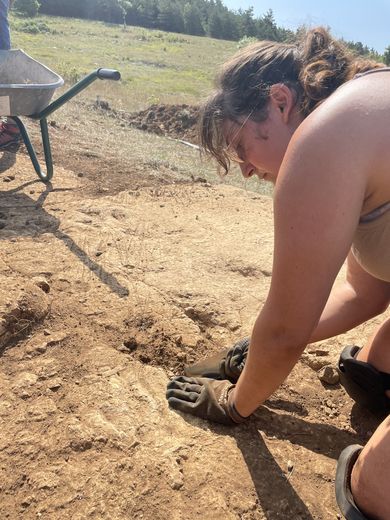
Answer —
109 74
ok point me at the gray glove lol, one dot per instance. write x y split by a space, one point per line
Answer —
205 398
227 364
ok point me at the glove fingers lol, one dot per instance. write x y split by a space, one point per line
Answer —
184 379
182 406
209 367
235 359
192 380
182 395
187 387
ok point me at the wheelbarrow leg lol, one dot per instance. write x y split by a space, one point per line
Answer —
42 118
44 176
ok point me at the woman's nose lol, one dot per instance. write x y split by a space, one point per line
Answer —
247 170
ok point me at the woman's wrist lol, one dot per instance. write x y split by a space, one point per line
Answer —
232 409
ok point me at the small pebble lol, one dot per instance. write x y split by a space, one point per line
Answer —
290 466
130 344
329 375
42 283
55 384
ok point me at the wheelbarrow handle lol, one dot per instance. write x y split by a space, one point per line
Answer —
108 74
42 117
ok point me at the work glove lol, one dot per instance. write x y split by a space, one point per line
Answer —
227 364
205 398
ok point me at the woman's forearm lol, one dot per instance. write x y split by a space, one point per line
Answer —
345 310
271 357
274 351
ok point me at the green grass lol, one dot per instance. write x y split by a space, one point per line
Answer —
167 67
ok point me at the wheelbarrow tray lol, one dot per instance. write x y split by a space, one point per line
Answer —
26 86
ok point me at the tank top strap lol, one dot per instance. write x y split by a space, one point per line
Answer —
375 213
371 71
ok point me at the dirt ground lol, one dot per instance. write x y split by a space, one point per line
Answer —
108 292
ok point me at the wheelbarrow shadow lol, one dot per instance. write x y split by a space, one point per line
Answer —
24 216
7 160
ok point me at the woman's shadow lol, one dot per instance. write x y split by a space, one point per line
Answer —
275 493
22 216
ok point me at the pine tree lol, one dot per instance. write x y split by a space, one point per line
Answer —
148 11
266 27
27 7
230 29
192 20
215 28
170 17
247 23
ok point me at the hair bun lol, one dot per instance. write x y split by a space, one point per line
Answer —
325 66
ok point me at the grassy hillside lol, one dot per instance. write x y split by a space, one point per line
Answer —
156 66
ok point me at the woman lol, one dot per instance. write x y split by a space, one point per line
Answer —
299 117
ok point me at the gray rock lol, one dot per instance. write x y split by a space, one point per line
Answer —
329 375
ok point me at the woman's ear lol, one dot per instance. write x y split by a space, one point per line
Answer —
283 98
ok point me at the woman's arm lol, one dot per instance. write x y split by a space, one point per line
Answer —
318 200
358 299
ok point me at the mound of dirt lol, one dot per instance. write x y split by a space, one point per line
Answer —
176 121
31 307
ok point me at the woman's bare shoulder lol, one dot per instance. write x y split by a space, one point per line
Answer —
349 135
353 122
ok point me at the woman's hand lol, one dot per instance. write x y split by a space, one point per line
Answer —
227 364
205 398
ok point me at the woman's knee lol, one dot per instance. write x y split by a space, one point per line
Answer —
370 479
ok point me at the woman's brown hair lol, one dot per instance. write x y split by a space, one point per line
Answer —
314 68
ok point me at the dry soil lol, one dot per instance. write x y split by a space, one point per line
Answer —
105 294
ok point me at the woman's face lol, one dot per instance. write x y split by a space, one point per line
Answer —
260 146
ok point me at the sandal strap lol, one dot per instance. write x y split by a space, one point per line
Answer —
386 380
344 496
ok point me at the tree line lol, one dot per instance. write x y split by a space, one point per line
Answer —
196 17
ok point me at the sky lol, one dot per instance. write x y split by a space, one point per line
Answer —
367 21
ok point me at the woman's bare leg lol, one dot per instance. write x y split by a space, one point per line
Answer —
377 350
370 480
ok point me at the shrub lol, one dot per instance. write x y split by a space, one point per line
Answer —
34 27
246 40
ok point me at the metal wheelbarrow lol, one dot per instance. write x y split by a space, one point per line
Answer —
26 89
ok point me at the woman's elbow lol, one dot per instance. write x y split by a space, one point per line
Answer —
290 339
376 304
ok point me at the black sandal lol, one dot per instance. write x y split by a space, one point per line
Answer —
344 496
